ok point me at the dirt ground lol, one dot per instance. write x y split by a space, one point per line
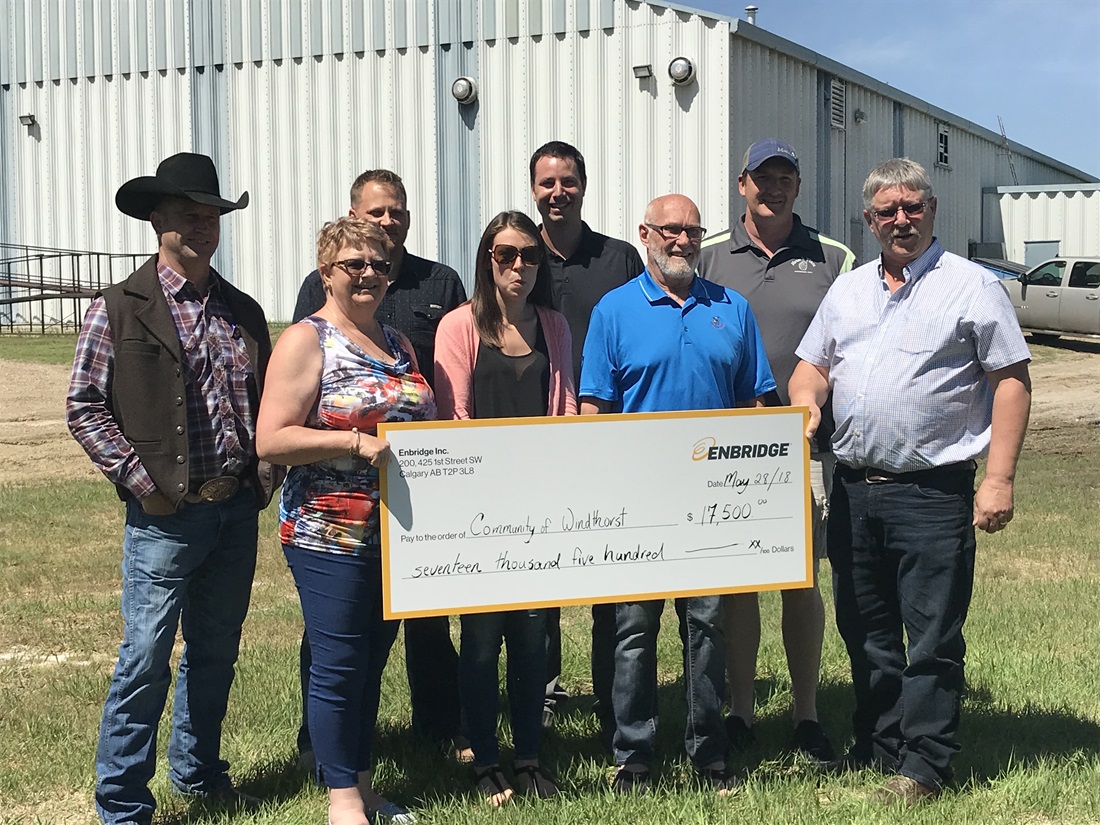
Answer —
35 446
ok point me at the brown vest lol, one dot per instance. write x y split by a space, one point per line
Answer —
148 399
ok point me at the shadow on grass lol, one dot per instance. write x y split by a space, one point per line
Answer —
995 738
415 772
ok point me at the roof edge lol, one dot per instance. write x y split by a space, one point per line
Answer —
747 31
1038 188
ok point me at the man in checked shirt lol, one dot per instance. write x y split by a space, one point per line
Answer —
928 370
165 387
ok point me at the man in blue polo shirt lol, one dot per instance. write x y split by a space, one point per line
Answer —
668 340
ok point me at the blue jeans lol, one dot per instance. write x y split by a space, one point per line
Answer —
192 569
431 664
903 559
341 599
524 631
634 690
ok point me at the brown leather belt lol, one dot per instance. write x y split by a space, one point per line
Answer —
874 475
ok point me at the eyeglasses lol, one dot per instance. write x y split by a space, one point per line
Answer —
672 231
357 266
891 213
506 254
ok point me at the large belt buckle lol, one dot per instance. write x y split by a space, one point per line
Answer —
219 489
874 476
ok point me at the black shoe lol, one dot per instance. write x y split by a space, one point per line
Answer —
740 735
628 782
228 797
809 738
852 760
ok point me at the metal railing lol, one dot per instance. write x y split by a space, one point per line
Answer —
45 290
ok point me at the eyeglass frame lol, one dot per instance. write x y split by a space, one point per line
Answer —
911 210
379 266
665 231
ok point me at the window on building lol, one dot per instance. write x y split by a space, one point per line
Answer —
943 149
838 103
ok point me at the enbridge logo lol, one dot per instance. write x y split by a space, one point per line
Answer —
707 449
702 448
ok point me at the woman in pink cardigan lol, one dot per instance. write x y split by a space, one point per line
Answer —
505 354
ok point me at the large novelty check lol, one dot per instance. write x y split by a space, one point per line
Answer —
501 514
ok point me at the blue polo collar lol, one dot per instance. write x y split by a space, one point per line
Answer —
654 294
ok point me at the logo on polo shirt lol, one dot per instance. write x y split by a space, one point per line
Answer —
804 264
717 323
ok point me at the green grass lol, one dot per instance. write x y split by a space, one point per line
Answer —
1031 717
38 349
59 348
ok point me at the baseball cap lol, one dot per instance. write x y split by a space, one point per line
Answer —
767 149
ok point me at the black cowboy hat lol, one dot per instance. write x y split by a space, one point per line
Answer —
186 175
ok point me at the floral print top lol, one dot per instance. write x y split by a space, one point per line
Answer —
331 506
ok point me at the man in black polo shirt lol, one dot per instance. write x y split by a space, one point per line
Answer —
420 293
584 266
784 269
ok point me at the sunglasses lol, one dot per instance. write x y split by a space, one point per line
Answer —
506 254
910 209
357 266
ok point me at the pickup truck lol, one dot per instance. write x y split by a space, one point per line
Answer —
1059 296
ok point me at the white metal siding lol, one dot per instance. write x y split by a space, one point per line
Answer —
640 137
1071 217
301 133
773 95
298 96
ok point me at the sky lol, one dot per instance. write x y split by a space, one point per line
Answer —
1036 63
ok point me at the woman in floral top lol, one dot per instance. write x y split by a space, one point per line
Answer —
332 379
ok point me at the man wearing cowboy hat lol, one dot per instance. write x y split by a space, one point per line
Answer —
165 386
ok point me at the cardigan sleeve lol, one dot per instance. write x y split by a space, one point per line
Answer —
563 400
454 359
566 369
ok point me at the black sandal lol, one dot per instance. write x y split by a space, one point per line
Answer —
627 781
530 780
490 782
722 779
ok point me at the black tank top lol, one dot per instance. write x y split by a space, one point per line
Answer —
512 386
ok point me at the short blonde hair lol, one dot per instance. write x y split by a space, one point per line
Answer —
349 231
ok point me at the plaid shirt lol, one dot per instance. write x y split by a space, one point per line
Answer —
216 369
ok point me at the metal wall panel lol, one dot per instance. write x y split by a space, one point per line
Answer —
59 192
774 95
460 170
300 132
1015 215
640 138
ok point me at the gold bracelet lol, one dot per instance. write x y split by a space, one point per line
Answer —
355 449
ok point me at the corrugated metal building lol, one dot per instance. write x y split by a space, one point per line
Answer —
1034 223
294 98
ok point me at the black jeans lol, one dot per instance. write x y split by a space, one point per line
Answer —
902 554
431 663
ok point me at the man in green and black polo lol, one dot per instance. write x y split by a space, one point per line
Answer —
784 268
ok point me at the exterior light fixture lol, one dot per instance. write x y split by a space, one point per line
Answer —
464 90
27 120
681 71
643 71
859 116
